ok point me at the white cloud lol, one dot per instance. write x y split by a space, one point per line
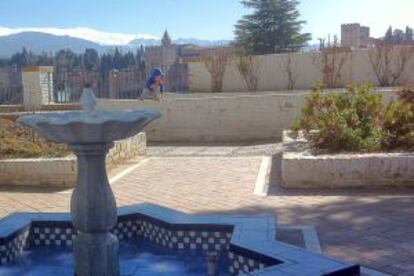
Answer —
100 37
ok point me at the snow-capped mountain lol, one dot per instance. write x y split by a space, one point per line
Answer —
42 42
199 42
78 39
103 38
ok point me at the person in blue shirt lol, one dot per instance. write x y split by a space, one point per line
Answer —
154 86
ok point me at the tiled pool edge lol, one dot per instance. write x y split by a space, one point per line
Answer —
251 243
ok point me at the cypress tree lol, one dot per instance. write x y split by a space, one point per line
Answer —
273 27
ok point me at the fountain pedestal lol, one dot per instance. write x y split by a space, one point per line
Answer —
93 211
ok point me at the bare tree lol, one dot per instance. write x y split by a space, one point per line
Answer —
322 43
248 67
331 61
289 66
216 65
389 61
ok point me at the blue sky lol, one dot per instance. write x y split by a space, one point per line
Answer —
205 19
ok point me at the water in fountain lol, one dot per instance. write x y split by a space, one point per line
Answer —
137 257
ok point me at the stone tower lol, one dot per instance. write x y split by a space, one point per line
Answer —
166 39
354 35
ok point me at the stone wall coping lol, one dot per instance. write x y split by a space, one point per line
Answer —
40 159
231 95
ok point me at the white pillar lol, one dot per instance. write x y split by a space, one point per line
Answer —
37 86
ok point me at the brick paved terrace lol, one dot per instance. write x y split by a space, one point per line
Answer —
371 227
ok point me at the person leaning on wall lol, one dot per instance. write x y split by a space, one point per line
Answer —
154 87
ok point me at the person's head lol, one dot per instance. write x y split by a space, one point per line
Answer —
158 79
157 75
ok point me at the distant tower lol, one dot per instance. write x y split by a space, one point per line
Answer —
166 39
354 35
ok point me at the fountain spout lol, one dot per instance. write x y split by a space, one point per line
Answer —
88 100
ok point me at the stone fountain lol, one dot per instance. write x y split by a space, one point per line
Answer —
235 244
90 134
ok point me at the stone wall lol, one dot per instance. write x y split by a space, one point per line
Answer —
61 172
51 172
126 149
221 117
271 71
12 112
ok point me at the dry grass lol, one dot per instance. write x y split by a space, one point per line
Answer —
17 141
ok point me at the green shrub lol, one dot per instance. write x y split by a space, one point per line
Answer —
357 120
399 121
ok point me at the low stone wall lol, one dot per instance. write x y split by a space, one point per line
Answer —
11 108
12 112
47 107
61 172
126 149
220 117
301 169
51 172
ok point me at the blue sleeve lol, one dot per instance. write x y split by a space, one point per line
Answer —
150 82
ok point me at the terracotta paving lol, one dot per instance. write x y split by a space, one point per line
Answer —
374 228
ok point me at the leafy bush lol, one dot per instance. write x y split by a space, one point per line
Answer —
399 121
358 120
20 142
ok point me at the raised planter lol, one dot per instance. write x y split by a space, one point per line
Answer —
302 169
61 172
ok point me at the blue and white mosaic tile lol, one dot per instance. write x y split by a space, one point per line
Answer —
51 236
186 239
14 247
239 263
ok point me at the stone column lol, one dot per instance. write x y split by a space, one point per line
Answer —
37 86
94 214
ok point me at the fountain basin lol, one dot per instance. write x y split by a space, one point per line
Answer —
89 127
245 243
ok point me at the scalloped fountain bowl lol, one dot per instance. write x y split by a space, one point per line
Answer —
89 127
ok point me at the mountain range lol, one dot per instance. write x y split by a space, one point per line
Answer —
78 39
42 42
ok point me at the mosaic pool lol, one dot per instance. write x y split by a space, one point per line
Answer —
137 257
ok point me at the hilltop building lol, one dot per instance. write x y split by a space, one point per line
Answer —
162 56
173 58
355 36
